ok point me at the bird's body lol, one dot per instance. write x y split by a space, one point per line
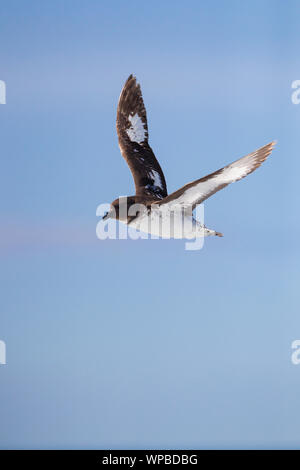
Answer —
151 209
161 222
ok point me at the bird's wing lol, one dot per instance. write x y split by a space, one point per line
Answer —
196 192
132 131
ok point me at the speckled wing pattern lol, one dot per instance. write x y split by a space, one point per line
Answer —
132 132
196 192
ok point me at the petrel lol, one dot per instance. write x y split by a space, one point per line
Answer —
151 209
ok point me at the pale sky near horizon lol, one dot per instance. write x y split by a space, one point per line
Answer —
142 344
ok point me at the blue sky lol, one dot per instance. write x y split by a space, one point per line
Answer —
141 344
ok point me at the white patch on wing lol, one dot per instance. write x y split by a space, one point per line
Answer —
137 131
157 179
202 189
230 173
157 184
194 193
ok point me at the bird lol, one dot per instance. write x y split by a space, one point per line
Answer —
152 210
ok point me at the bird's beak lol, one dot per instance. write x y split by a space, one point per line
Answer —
106 216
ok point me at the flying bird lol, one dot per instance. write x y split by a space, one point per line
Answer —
151 209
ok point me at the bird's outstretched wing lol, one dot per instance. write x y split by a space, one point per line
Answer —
132 131
196 192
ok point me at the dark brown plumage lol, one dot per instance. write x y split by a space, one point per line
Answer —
139 155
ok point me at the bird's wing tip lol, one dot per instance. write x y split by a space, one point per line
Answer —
132 77
272 144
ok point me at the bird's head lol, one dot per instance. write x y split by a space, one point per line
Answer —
113 211
119 209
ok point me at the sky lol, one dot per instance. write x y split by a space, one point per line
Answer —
129 344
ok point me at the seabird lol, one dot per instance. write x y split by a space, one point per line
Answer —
151 209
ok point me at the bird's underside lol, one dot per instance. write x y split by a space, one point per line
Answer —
149 180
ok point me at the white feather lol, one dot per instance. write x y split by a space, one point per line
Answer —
137 131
